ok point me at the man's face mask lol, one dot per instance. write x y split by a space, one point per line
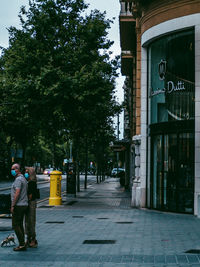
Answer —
13 172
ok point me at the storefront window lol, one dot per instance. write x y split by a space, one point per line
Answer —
173 172
171 78
171 72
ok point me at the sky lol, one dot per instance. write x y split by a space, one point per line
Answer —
9 17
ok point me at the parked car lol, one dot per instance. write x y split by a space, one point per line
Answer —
45 172
115 172
48 171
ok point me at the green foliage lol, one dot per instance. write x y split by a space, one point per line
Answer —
57 74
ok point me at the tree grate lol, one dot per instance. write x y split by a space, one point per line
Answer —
100 242
193 251
55 222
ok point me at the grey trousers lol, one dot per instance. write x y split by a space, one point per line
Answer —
30 220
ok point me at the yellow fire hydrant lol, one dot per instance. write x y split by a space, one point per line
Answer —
55 188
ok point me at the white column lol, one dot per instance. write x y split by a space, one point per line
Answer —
140 141
144 100
129 5
123 11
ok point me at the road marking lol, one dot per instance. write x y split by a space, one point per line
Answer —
5 188
42 200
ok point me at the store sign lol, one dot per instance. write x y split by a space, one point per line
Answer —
171 87
118 148
162 67
157 92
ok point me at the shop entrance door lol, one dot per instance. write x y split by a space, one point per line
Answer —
172 183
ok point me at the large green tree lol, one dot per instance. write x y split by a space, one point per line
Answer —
57 73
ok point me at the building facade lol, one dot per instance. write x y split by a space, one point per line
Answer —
164 65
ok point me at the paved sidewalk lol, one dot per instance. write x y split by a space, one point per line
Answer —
98 228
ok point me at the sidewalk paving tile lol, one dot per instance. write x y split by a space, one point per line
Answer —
193 259
144 238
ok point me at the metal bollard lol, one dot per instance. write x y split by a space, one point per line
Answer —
55 188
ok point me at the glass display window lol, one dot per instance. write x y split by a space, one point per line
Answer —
171 87
172 77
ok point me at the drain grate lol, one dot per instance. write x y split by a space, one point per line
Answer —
102 218
71 202
193 251
77 216
55 222
101 242
124 222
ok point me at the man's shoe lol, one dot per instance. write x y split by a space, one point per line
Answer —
33 244
20 248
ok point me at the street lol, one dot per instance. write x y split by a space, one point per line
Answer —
43 183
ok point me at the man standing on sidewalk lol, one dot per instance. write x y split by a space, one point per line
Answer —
19 204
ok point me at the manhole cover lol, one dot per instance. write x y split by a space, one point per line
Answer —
124 222
193 251
54 222
71 202
101 242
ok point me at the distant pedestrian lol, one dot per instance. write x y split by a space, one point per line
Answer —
30 217
19 204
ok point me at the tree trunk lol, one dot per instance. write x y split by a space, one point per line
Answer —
23 155
78 174
76 162
97 172
86 163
